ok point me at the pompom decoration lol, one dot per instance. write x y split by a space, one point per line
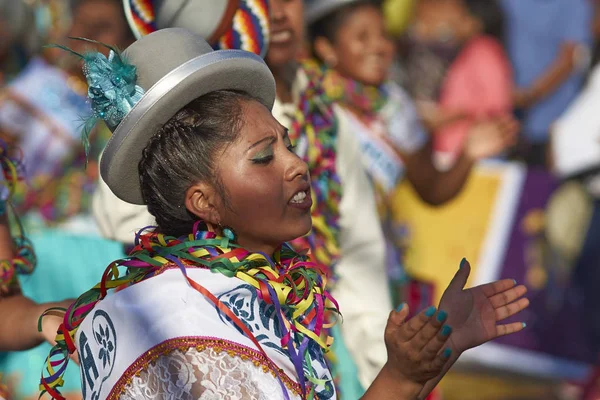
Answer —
112 89
24 260
289 281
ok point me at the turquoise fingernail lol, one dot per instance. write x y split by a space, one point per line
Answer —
446 330
463 262
524 325
430 311
442 316
447 353
400 307
515 281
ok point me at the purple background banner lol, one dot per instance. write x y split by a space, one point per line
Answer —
557 319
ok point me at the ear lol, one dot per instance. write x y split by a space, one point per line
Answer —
325 51
201 200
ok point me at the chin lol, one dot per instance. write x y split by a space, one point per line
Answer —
279 57
300 230
374 80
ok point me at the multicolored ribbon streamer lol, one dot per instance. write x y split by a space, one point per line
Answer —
24 260
315 122
289 281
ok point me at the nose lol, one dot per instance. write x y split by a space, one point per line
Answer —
297 168
276 10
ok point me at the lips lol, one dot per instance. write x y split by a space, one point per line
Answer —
281 37
301 199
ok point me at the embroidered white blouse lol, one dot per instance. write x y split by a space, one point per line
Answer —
162 339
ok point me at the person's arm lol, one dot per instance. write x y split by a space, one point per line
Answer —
560 69
387 386
20 317
435 187
576 36
434 117
484 139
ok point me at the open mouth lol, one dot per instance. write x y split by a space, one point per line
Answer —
301 199
281 37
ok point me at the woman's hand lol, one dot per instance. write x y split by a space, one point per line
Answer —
491 137
523 98
415 348
475 313
416 354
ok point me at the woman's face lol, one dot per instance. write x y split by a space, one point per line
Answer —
267 184
362 49
287 32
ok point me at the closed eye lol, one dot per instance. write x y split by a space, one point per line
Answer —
263 160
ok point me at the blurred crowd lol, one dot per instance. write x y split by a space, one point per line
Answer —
473 70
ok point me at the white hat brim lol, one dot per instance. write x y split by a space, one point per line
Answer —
218 70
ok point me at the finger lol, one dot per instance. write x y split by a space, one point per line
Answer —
441 359
396 320
511 309
429 331
398 317
508 296
416 323
502 330
493 288
460 278
433 347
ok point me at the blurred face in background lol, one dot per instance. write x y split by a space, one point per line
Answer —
361 48
463 24
287 32
100 20
445 21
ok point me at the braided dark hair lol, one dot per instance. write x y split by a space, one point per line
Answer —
182 153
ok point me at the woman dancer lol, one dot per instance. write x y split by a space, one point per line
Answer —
213 302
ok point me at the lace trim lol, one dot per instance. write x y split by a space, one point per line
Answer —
200 343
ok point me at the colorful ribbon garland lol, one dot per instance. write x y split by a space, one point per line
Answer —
291 283
315 122
24 260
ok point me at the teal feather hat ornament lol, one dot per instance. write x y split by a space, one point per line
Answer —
112 89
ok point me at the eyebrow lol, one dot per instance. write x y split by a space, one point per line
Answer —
270 139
